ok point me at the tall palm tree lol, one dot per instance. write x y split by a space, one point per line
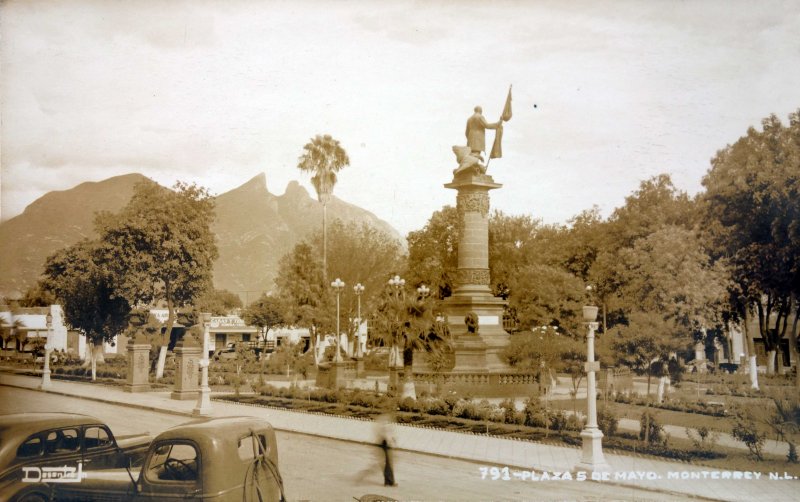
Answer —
324 157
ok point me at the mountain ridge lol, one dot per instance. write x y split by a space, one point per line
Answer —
254 229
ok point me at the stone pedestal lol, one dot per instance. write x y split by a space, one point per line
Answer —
480 350
138 365
188 354
334 375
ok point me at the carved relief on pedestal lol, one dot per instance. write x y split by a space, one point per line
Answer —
479 276
472 202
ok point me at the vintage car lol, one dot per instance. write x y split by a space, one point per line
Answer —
223 459
36 446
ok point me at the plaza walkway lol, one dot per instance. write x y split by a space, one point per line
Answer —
672 480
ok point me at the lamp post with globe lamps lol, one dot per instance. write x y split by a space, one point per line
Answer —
358 289
46 384
337 285
592 458
395 361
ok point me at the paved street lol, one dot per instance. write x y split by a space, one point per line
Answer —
317 468
434 478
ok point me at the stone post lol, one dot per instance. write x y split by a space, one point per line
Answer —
188 353
138 365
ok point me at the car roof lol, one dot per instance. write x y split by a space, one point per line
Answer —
18 427
227 428
34 422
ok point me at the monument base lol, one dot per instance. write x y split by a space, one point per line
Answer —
141 387
477 383
184 395
481 351
334 375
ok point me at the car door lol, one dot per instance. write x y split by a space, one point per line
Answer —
99 449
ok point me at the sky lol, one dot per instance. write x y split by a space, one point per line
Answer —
605 94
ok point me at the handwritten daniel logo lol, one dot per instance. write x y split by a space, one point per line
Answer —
64 474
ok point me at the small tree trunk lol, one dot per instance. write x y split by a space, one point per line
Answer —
94 360
753 372
771 361
162 360
648 382
751 349
661 384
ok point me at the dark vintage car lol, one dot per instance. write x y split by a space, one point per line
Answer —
36 447
224 459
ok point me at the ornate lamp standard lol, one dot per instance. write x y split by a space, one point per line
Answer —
45 385
358 289
423 291
592 458
203 407
398 284
338 285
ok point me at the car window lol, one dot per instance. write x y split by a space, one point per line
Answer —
246 451
62 441
30 448
173 462
96 437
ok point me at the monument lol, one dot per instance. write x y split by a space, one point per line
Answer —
474 315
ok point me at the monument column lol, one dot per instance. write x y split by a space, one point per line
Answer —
475 349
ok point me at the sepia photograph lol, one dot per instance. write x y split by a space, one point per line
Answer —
451 250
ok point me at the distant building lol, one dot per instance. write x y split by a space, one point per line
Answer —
736 349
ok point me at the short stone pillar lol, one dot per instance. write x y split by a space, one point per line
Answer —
188 354
138 365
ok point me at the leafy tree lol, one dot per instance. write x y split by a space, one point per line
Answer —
546 351
669 273
266 313
218 302
300 285
37 296
160 247
656 204
645 344
544 295
405 323
359 254
78 277
752 212
433 252
324 157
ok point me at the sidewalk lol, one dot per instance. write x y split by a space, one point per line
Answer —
671 478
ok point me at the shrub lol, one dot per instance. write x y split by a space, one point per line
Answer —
607 421
792 455
746 431
703 439
650 430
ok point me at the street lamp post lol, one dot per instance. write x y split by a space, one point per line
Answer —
46 384
397 283
592 458
338 285
203 407
358 289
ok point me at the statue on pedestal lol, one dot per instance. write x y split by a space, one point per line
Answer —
470 157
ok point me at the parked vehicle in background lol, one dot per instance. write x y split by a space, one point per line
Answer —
221 460
36 446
